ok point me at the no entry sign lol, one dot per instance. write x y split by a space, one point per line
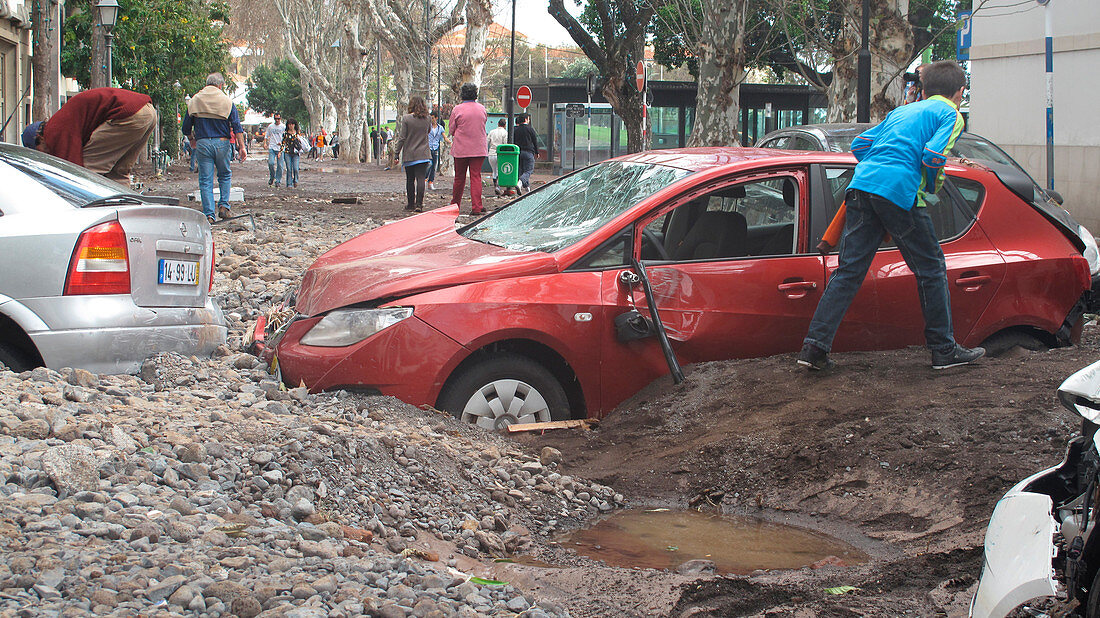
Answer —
639 76
523 96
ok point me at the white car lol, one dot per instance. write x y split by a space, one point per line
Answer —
1042 541
95 276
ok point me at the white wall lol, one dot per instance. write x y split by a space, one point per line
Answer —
1008 93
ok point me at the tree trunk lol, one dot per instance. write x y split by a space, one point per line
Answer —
627 103
891 45
721 73
403 81
45 30
97 76
471 62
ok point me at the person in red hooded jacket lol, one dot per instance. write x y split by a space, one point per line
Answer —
102 129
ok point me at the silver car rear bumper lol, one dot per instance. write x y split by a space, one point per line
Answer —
1019 552
110 334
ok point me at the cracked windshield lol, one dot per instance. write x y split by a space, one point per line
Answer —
566 211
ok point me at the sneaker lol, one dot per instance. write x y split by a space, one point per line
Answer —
223 212
814 358
431 185
210 218
276 185
954 358
295 185
269 182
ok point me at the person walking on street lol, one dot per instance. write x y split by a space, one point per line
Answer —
213 125
375 142
528 143
497 137
412 152
189 152
435 135
467 127
102 129
900 159
273 137
335 145
291 149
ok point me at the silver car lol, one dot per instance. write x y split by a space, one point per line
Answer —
95 276
1042 547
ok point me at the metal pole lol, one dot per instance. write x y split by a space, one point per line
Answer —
1050 92
428 57
863 80
110 69
378 101
589 89
439 79
511 78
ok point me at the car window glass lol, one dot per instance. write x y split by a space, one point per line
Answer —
948 218
73 183
972 147
756 218
971 191
804 142
569 209
779 142
837 179
608 255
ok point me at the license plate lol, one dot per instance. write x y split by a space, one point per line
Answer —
178 272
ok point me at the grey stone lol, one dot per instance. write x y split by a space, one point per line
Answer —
695 567
165 588
72 468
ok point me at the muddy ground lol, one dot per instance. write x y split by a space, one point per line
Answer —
900 461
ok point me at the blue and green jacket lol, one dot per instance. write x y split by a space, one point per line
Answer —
903 156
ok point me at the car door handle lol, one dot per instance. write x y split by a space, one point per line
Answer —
797 289
974 281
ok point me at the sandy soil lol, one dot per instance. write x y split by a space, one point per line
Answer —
902 462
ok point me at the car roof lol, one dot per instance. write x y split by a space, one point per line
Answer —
699 159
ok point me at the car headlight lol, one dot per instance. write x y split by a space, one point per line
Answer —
1091 253
344 327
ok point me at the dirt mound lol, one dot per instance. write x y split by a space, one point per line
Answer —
884 452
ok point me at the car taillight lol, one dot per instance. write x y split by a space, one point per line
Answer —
100 264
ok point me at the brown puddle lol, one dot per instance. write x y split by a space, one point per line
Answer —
665 539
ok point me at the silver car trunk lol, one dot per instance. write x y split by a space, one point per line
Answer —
172 237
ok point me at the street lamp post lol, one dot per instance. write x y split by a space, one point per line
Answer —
107 13
1049 40
863 68
511 78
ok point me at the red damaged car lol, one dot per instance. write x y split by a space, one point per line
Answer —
534 313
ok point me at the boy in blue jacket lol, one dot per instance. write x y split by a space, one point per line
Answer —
900 159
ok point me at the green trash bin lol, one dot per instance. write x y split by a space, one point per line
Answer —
508 165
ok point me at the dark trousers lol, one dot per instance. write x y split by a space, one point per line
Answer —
526 166
414 185
434 165
868 217
473 164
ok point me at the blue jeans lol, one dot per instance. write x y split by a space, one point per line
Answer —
434 165
526 166
274 167
868 218
291 163
214 154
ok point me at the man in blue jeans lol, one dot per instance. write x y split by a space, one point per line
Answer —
213 126
273 137
899 159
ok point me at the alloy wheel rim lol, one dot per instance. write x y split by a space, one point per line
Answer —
504 402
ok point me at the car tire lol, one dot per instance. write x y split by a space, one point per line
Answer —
1092 607
502 390
1004 341
13 359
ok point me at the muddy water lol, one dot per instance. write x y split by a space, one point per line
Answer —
336 170
665 539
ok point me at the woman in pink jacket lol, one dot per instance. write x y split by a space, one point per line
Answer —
467 127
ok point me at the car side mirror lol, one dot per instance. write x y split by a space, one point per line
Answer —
628 279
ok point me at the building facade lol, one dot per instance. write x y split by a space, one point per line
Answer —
1008 93
15 69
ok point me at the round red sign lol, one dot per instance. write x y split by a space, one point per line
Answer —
523 96
639 75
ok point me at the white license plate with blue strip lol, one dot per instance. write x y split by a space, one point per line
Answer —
178 272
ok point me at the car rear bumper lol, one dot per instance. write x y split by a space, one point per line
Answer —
408 360
1019 551
110 334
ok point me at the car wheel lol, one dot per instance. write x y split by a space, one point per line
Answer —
503 390
13 359
1004 341
1092 609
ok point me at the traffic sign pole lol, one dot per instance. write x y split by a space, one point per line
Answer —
642 83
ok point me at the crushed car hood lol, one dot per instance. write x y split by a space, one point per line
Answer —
416 254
